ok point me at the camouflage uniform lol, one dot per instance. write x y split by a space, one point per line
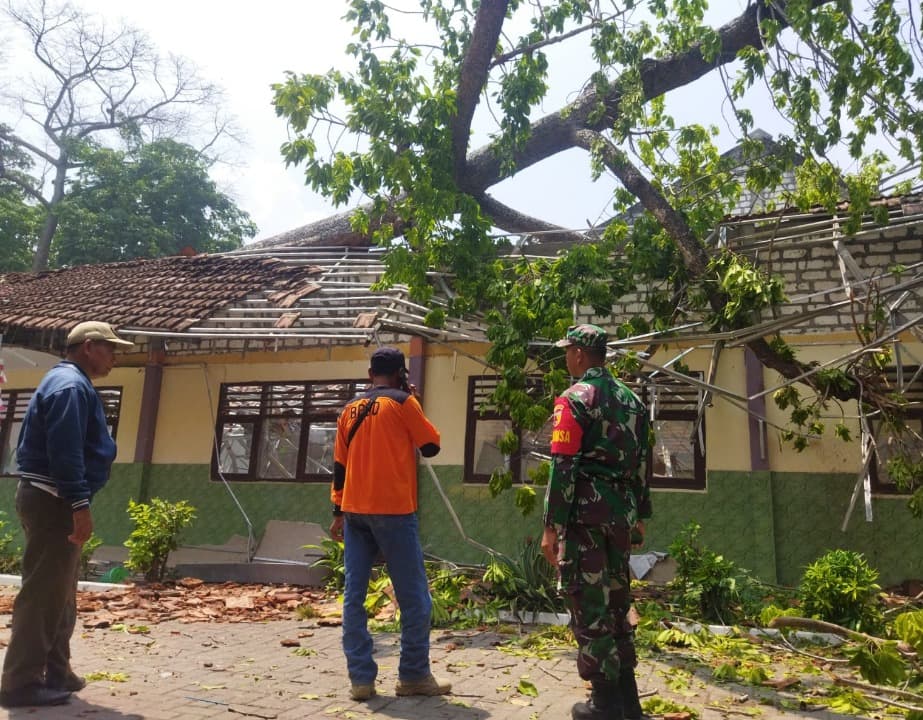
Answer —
596 494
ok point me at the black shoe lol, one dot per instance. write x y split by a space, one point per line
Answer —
33 696
631 703
71 682
605 703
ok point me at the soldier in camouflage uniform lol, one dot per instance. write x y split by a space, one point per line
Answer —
597 498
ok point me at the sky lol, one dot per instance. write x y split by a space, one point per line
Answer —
245 47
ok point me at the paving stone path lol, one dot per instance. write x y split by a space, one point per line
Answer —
185 671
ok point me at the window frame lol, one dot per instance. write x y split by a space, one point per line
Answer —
667 411
912 413
17 400
480 387
286 404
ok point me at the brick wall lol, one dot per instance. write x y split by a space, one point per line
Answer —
812 276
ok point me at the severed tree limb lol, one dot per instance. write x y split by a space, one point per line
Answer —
897 692
820 626
334 230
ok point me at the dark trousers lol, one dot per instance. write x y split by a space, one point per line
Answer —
45 610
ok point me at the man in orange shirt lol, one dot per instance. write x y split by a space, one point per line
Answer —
374 497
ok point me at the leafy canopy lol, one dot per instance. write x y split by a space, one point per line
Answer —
443 103
149 200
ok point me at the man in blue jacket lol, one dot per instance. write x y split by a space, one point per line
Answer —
64 455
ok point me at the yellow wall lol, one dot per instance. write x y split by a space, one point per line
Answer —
190 392
727 439
131 380
191 387
727 428
826 454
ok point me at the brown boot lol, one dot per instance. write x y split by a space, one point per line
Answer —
605 703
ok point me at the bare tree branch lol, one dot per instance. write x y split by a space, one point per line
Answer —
98 81
506 57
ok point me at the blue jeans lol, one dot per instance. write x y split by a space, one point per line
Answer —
398 539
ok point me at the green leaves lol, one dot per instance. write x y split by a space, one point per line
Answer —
878 662
151 200
707 585
748 290
526 583
19 215
10 555
909 628
157 528
840 587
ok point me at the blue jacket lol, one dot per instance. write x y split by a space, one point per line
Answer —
64 444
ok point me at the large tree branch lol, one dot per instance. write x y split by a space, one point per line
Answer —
558 131
651 198
472 77
554 133
694 255
544 234
333 230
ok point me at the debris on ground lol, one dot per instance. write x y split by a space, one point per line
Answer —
192 600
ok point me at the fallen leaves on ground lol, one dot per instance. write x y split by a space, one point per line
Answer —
192 600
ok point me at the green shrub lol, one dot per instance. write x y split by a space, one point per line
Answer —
10 555
158 525
840 587
333 560
527 584
707 586
86 554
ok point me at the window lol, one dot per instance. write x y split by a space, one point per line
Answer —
17 401
279 431
911 441
677 459
486 426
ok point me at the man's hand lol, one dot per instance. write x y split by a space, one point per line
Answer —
336 528
637 534
550 546
83 526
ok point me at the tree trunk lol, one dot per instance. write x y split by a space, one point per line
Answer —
43 249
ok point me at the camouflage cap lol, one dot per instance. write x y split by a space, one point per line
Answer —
586 335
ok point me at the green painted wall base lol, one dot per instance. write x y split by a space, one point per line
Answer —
773 524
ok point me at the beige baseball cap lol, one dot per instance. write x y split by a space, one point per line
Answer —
93 330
